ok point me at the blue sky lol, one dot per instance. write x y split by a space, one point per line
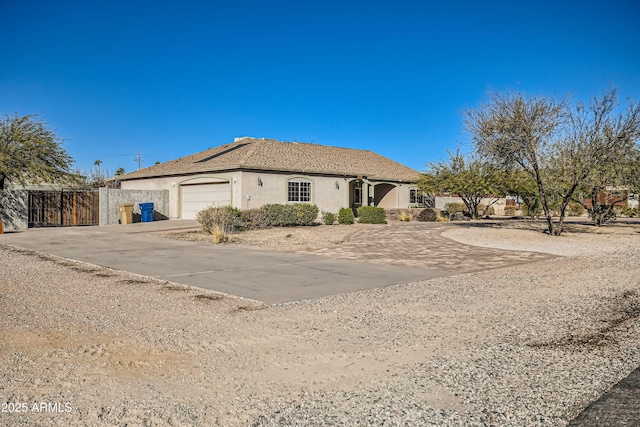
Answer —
166 79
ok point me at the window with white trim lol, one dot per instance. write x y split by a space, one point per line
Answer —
416 197
299 191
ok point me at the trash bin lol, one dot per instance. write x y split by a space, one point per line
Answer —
126 213
146 212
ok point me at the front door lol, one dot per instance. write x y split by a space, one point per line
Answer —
357 197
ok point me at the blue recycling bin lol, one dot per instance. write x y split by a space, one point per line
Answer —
146 212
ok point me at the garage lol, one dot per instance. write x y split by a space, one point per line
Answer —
196 197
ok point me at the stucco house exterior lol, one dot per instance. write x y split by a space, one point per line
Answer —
251 172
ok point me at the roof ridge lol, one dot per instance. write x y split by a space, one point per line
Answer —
254 145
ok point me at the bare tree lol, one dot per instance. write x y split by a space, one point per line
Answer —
600 151
515 132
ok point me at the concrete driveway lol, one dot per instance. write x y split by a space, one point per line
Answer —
271 277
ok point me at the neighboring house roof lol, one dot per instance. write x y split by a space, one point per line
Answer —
271 154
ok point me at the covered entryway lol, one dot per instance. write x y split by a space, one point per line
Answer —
198 196
385 195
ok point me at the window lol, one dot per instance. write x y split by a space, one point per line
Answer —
299 191
416 197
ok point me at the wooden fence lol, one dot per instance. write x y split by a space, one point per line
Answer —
64 208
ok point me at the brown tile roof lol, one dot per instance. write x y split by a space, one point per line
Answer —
271 154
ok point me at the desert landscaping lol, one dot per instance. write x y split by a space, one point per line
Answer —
531 343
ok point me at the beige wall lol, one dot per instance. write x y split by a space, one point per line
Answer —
324 192
172 184
328 193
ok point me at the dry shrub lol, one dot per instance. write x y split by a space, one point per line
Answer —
453 208
219 235
427 215
224 218
405 216
509 210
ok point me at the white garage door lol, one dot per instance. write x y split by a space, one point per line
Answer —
196 197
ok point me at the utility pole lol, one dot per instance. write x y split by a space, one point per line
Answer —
139 160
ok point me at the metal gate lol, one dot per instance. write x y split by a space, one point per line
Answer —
64 208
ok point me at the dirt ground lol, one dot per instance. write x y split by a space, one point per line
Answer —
531 344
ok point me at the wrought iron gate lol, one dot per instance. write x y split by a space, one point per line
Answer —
64 208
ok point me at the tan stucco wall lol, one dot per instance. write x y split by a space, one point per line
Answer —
328 193
172 184
324 192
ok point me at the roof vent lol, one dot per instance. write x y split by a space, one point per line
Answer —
240 138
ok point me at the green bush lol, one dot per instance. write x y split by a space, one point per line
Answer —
534 211
371 215
427 215
289 215
345 216
276 215
329 218
575 209
455 207
304 213
224 218
509 210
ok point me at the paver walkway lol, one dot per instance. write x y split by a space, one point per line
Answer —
422 245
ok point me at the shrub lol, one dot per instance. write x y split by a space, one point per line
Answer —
371 215
289 215
405 216
533 212
345 216
303 213
218 235
252 219
225 218
483 210
509 210
455 207
329 218
427 215
628 211
276 216
575 209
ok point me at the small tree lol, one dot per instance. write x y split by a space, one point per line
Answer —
471 179
30 152
519 133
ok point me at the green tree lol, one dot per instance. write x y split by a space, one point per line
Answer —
519 183
471 179
30 152
120 171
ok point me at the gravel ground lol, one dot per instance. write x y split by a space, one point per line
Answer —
526 345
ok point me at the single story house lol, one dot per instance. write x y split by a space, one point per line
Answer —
251 172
